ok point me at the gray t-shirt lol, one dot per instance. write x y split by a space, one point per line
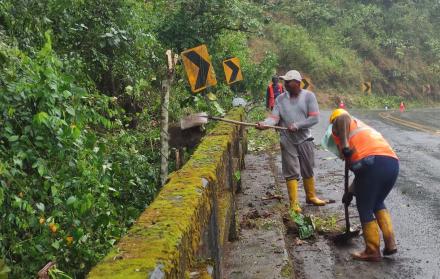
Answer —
303 111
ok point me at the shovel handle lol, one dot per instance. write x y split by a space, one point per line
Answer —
244 123
347 218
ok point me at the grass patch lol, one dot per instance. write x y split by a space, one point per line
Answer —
260 140
267 224
286 271
327 224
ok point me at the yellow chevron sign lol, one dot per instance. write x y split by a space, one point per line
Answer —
306 83
198 68
232 70
366 87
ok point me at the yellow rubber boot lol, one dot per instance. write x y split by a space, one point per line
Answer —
311 198
292 188
383 218
372 243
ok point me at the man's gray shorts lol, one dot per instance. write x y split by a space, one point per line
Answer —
297 159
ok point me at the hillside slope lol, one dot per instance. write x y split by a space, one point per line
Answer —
395 45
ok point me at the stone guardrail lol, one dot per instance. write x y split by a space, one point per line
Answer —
182 232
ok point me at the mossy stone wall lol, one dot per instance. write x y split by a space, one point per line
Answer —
184 229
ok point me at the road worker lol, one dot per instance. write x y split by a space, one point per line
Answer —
273 91
376 167
296 109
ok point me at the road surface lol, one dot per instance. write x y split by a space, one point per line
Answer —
414 203
267 250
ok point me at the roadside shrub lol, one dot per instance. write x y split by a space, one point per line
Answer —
67 192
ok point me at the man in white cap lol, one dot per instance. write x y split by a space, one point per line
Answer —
296 109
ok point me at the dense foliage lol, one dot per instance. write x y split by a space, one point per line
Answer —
393 44
80 86
67 192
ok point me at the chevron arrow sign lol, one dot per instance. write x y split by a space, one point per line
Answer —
232 70
366 87
198 68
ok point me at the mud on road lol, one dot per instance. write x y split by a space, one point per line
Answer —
269 249
414 204
260 250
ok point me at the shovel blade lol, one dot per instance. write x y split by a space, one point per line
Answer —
194 120
343 238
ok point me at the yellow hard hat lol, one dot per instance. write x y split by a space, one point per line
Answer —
336 113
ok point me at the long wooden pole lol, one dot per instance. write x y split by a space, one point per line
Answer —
244 123
164 137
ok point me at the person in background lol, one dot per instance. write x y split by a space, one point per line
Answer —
297 109
402 107
341 104
273 91
375 166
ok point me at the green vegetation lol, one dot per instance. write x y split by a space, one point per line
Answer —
306 225
327 224
339 44
286 271
72 180
4 269
80 87
260 140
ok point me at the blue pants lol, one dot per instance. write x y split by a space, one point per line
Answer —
372 183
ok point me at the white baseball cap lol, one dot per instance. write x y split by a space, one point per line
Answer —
292 75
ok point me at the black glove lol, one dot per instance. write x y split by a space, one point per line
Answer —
347 152
347 198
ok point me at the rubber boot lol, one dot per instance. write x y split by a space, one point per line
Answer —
372 243
292 188
309 187
383 218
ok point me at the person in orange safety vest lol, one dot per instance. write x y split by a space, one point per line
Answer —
273 91
376 167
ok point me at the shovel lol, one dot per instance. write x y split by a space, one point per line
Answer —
199 119
349 233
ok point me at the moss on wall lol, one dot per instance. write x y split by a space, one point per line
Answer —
166 236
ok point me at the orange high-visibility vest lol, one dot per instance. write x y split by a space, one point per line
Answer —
272 94
365 141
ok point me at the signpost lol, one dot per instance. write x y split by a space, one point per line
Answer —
165 99
198 68
306 83
232 70
366 87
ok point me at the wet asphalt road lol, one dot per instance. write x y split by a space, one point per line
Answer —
415 200
414 204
